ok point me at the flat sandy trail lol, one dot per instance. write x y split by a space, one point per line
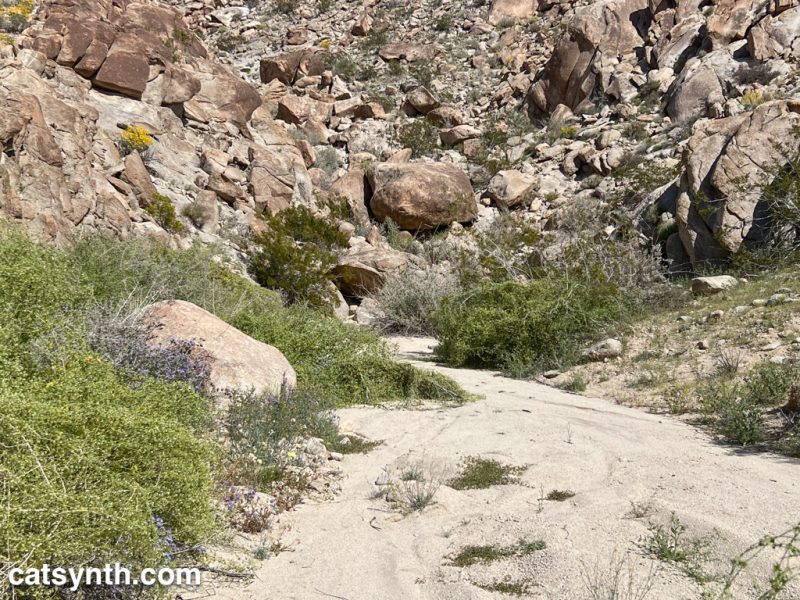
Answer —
355 548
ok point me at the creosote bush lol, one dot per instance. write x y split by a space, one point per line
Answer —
296 254
545 322
162 210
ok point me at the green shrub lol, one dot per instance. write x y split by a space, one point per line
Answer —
768 383
162 210
262 429
733 413
98 472
481 473
420 136
296 255
343 362
37 288
545 322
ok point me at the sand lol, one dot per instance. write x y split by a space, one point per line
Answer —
611 456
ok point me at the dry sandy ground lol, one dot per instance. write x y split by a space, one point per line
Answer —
356 548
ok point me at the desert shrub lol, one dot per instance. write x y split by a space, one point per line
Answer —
134 139
343 362
286 6
409 301
480 473
125 345
768 383
130 274
732 413
444 22
163 212
15 15
419 135
760 73
423 71
342 64
509 249
545 322
263 429
413 484
473 555
671 543
37 288
296 254
752 99
97 472
327 160
196 213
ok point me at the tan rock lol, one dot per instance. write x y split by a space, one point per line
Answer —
410 51
459 134
509 188
421 100
363 269
237 361
511 10
420 196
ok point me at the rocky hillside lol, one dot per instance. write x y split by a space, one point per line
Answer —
187 122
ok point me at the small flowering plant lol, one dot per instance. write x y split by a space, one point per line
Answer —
135 138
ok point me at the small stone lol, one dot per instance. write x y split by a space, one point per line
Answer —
702 345
717 314
335 456
771 346
610 348
759 302
777 299
706 286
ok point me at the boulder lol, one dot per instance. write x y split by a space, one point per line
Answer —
601 34
459 134
720 206
237 361
421 100
410 51
421 196
707 286
363 25
363 269
291 66
607 349
509 188
700 84
776 36
511 10
732 18
298 109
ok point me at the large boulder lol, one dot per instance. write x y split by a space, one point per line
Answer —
720 206
511 10
732 19
600 36
421 196
700 85
237 361
707 286
776 36
363 269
